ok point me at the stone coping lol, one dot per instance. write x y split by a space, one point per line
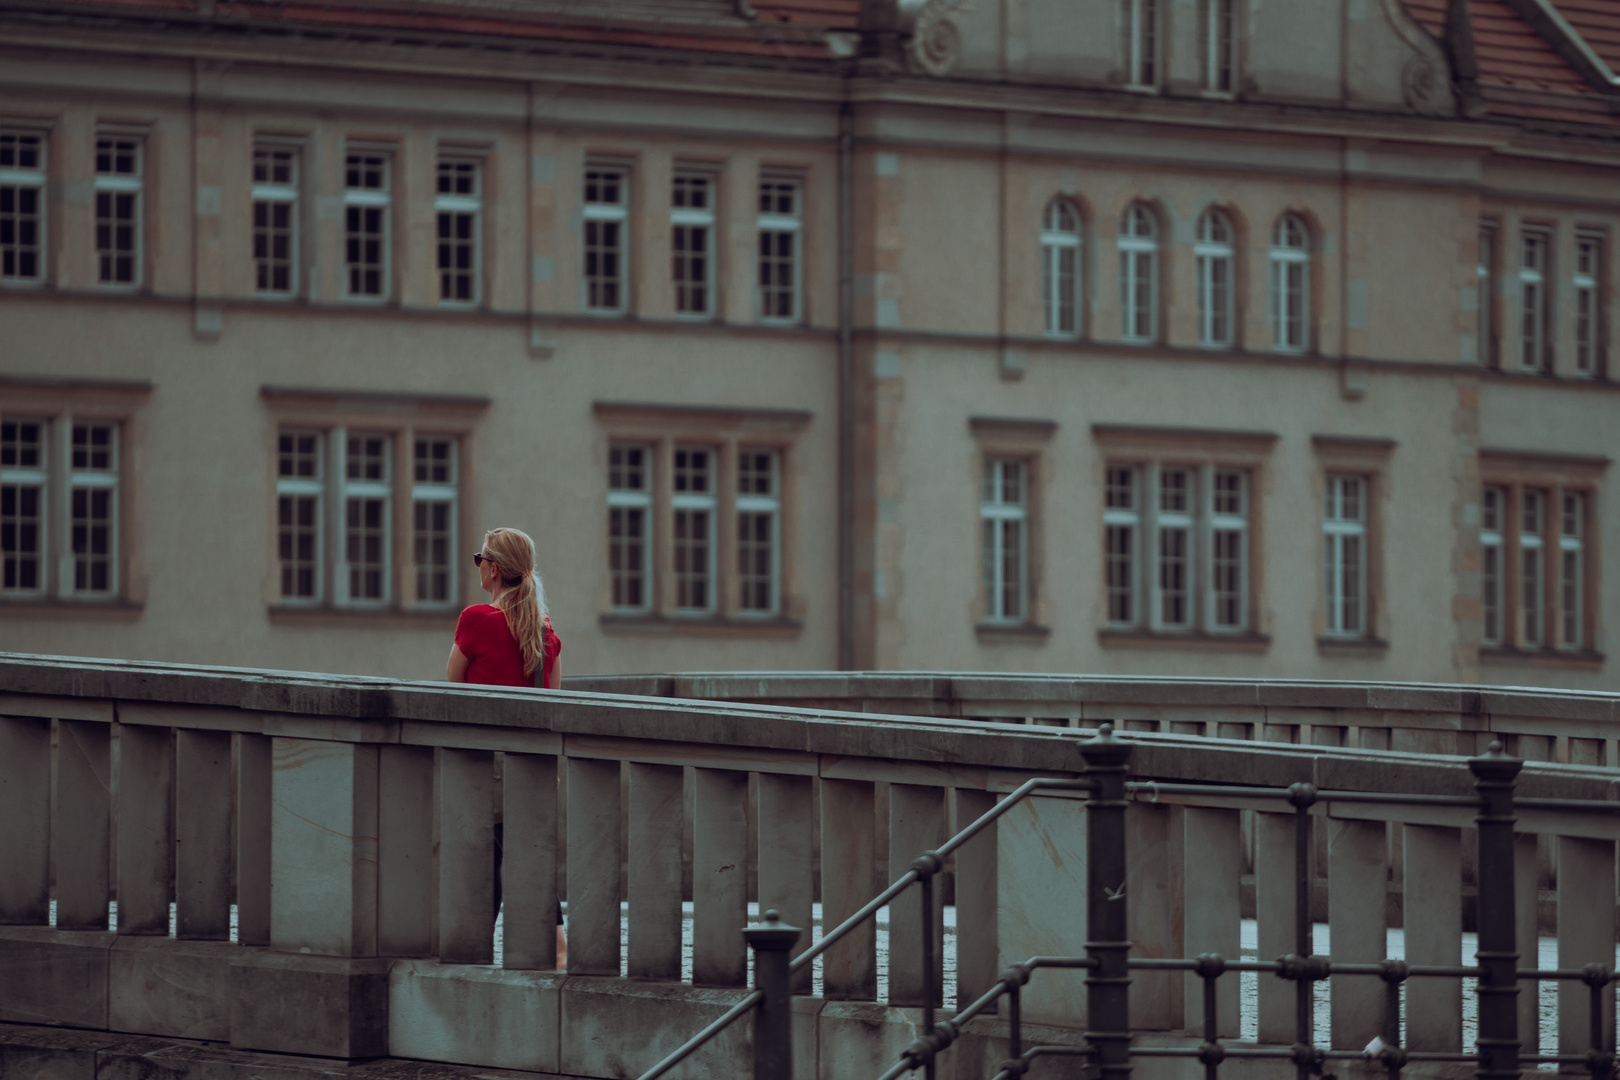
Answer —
959 753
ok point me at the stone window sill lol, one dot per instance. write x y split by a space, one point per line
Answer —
381 617
50 607
1192 640
1351 646
736 626
1556 658
1012 633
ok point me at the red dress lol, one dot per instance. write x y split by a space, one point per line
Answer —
493 656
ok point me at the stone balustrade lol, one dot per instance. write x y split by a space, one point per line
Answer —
347 825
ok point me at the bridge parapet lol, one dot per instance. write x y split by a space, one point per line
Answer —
347 825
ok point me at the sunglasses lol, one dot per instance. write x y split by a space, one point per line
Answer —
479 559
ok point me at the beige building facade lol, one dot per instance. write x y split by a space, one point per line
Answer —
1132 336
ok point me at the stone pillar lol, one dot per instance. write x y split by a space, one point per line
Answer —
405 867
1585 936
916 825
529 862
656 813
593 867
1041 889
203 834
466 864
976 949
1357 869
1212 853
81 824
1433 920
849 968
785 882
145 832
719 878
25 786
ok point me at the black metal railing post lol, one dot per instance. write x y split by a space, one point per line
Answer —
1494 776
771 938
1209 967
1108 984
1393 1055
1302 797
1599 1061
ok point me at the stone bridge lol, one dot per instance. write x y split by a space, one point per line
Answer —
219 872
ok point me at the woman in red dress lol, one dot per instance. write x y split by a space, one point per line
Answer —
508 642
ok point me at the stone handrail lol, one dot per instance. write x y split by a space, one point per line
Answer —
346 827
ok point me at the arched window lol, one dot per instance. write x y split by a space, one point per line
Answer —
1213 252
1060 268
1139 274
1290 284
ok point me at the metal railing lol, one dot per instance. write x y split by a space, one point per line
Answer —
1108 1036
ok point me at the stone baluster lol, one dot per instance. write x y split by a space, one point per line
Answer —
146 832
529 864
1153 883
81 824
976 947
593 867
253 802
1275 885
786 883
1526 932
1357 862
202 832
1585 936
466 812
1212 854
849 968
916 825
25 792
719 878
405 867
1432 916
656 814
1041 901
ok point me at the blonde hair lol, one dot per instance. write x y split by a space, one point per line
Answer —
524 600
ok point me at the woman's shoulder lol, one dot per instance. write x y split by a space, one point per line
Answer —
475 613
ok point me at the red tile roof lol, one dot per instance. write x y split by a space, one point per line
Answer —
1598 21
1520 74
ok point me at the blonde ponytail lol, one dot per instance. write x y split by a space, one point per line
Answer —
523 600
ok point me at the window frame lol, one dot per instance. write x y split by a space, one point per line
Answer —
627 499
682 221
684 505
114 184
1544 636
380 199
1056 241
1338 528
1282 259
36 180
1214 54
1144 26
599 213
1535 336
757 504
455 205
996 515
726 432
1208 253
1587 290
1138 271
774 222
271 193
1368 459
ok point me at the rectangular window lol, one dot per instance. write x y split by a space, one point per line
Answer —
691 220
1121 527
1485 274
759 512
367 193
433 513
1493 503
1533 305
458 205
1571 569
629 532
606 219
1531 564
1215 45
693 503
299 480
275 220
1141 43
93 490
365 500
1344 526
22 207
1174 543
23 486
118 185
780 217
1004 527
1229 550
1588 289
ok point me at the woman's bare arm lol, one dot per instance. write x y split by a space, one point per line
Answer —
455 668
555 681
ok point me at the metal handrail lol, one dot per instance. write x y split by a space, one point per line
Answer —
931 862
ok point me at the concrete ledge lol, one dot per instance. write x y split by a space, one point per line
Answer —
322 1005
863 1039
160 986
54 976
474 1015
619 1029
